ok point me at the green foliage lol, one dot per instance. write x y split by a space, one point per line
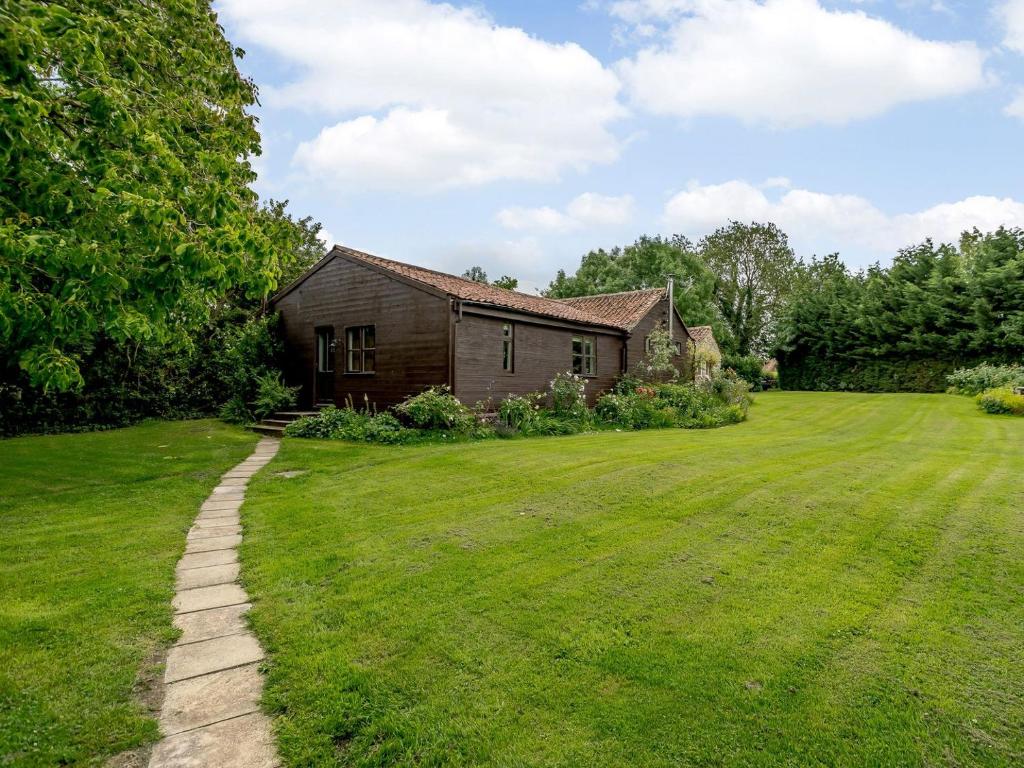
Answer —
126 211
437 408
753 267
236 411
476 274
1002 400
506 282
295 241
908 327
646 264
569 396
633 410
273 395
520 411
125 383
974 381
657 364
351 424
750 368
724 399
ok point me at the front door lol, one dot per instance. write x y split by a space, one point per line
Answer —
324 386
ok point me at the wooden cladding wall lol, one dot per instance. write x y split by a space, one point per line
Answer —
636 344
540 352
412 333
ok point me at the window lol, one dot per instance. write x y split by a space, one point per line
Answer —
507 347
361 347
584 356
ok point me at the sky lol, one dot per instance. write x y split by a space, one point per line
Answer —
519 134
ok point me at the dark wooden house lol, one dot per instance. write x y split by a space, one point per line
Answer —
378 330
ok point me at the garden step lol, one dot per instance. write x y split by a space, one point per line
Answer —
266 429
276 422
292 415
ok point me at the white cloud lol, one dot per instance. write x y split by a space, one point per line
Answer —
427 96
1011 13
588 209
1016 107
823 223
326 238
787 62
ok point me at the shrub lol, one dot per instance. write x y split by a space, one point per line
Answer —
350 424
974 381
750 368
1001 400
519 411
632 410
236 411
273 395
731 389
437 408
568 396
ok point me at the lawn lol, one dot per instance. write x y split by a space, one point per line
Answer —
838 581
91 526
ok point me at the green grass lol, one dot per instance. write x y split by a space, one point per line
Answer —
838 581
91 526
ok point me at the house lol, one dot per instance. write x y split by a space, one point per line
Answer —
375 330
707 357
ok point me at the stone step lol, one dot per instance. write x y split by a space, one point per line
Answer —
266 429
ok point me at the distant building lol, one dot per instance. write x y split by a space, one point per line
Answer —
707 357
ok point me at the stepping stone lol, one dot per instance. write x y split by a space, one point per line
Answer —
208 533
217 522
211 698
217 542
225 493
213 622
201 598
209 576
218 504
242 742
216 514
203 559
233 482
214 655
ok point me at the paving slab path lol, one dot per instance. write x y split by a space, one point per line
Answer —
211 714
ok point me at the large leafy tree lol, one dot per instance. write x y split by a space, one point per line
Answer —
645 264
125 206
753 268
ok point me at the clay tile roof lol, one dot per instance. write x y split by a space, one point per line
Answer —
702 334
481 293
624 309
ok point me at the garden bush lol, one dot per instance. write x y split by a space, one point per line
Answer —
569 396
974 381
1002 400
520 411
350 424
273 395
438 409
750 368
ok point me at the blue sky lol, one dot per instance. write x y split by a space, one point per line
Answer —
519 135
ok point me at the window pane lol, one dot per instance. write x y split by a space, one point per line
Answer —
369 361
577 345
369 342
353 361
355 341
